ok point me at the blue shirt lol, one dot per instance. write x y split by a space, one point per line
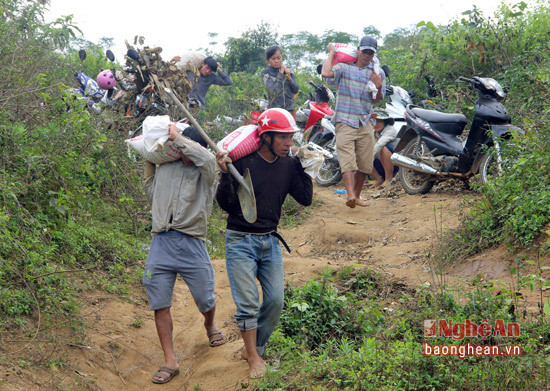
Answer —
204 82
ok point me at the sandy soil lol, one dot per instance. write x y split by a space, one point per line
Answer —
120 349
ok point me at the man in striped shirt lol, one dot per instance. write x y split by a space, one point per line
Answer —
354 131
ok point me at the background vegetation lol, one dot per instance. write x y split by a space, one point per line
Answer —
73 216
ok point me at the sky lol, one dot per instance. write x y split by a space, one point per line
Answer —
182 26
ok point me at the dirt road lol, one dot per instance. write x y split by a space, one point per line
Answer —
120 351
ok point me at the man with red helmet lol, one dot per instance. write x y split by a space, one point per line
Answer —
253 250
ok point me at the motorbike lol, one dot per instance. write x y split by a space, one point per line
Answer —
431 149
319 133
397 100
88 90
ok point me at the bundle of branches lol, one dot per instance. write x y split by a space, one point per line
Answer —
147 75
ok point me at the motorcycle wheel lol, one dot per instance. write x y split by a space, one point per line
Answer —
488 168
330 173
414 182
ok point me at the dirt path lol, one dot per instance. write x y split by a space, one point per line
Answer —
392 234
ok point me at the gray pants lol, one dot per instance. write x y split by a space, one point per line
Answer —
174 253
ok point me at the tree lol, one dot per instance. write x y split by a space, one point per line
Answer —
372 31
247 53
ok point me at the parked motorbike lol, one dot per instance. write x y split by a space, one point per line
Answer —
397 100
319 133
430 149
88 90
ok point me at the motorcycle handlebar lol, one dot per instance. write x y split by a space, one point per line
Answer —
462 78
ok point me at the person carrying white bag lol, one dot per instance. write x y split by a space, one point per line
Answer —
181 195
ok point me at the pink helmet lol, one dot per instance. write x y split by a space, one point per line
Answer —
276 120
106 80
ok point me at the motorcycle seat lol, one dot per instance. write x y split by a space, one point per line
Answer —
436 116
447 123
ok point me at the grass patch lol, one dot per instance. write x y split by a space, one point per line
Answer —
347 331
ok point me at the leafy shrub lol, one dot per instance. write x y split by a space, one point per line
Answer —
317 312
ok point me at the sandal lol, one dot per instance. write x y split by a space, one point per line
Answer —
215 335
165 378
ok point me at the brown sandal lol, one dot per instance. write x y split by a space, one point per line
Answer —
165 378
215 335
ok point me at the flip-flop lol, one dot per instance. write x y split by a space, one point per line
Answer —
165 378
215 335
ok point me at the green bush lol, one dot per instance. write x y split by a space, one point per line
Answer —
390 357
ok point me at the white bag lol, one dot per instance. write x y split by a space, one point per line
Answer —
155 131
311 160
154 145
163 153
190 60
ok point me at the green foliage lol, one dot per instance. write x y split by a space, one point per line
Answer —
30 68
317 312
247 53
62 185
72 208
515 207
391 357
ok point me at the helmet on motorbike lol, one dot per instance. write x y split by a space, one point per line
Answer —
106 80
276 120
368 42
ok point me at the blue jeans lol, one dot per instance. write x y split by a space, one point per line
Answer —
249 257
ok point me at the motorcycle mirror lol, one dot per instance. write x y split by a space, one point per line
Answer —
133 54
110 55
319 68
82 54
386 70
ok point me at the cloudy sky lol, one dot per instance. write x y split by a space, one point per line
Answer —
180 26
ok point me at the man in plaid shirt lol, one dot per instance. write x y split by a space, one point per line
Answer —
359 86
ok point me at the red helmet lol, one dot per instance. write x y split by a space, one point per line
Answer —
276 120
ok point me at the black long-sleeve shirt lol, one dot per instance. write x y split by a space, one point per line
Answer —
271 182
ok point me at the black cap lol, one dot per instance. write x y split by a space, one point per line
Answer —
213 64
193 134
368 43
